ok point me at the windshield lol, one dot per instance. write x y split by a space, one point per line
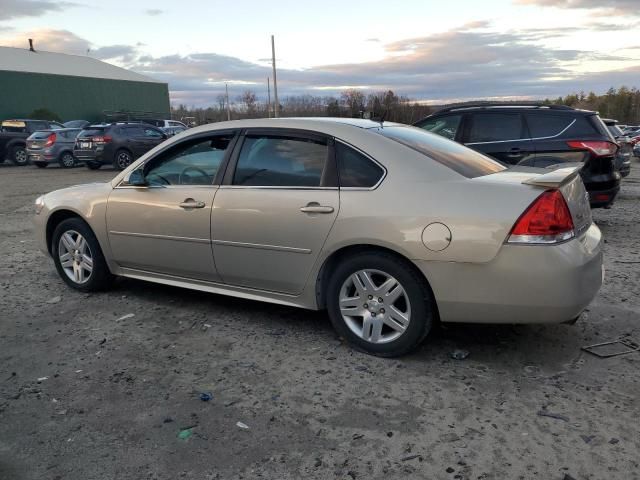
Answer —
457 157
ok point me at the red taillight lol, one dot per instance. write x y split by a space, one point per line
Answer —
598 148
102 139
547 220
51 139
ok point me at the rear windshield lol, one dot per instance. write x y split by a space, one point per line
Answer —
90 132
40 135
457 157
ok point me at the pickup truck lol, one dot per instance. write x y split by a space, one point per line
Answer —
13 137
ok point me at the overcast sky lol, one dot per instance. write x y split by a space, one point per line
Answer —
428 50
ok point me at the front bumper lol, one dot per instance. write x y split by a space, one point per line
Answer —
522 284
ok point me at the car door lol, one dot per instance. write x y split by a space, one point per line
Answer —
275 210
164 226
501 135
152 137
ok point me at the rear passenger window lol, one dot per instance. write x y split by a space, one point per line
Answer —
444 126
491 127
280 162
544 125
356 170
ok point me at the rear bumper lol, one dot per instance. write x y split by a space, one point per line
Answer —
88 156
522 284
40 156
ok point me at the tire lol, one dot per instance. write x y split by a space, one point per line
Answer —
122 159
67 160
414 302
19 155
93 165
40 164
67 242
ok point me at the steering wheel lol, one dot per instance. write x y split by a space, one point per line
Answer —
188 169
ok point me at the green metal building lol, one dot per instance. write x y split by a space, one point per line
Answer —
73 87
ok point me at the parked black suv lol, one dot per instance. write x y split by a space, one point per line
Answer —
536 136
13 137
118 144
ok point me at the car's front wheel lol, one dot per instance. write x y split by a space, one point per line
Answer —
78 256
380 303
67 160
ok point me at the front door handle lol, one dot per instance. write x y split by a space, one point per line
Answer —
315 207
191 203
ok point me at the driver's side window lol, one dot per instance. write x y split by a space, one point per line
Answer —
192 162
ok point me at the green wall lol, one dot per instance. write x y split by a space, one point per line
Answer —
73 98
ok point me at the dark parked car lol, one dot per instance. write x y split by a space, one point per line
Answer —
13 137
547 136
625 152
118 144
76 124
47 146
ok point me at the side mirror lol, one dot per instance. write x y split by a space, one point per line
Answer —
136 178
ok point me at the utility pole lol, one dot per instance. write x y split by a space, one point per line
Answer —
268 99
226 87
276 110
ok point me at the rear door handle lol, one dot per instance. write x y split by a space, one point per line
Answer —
315 207
191 203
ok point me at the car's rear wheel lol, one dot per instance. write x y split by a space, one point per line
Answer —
78 256
380 304
19 155
93 165
40 164
67 160
122 159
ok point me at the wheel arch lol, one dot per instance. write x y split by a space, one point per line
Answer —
58 217
66 150
331 262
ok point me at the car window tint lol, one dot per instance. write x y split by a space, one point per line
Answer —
587 125
545 125
194 162
457 157
491 127
133 131
150 132
445 126
281 162
356 170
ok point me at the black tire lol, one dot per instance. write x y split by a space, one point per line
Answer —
100 277
122 159
18 155
40 164
93 165
418 293
66 160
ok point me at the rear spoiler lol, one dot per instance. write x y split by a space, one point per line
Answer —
555 178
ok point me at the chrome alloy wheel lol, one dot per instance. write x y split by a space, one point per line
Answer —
75 256
375 306
21 156
68 161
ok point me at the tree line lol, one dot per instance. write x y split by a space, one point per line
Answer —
622 104
351 103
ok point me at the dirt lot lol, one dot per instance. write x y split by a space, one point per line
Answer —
84 395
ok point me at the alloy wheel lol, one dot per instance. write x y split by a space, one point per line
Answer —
123 160
68 161
75 256
375 306
21 156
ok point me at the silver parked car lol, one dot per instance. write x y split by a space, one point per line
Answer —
52 146
388 227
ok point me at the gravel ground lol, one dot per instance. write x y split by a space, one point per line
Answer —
87 394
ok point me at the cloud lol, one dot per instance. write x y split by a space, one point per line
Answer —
31 8
154 12
472 61
613 7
